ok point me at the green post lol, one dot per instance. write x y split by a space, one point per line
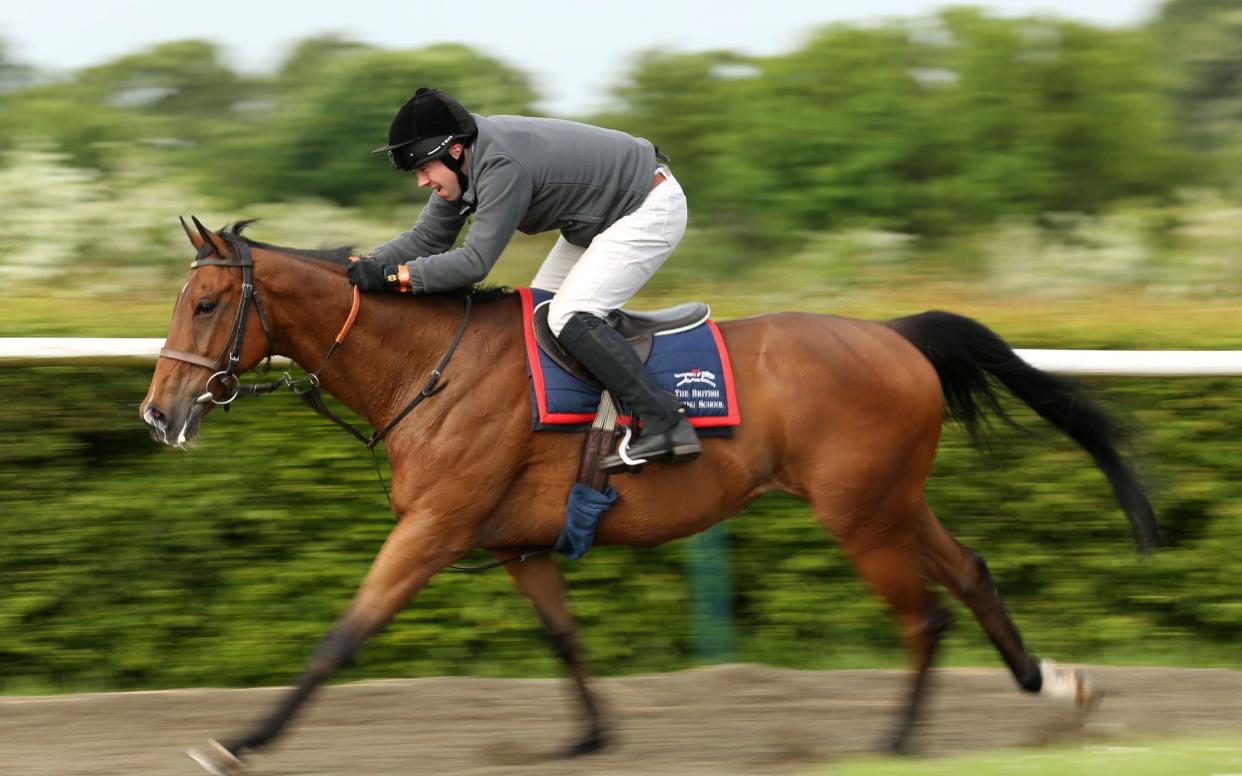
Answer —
711 596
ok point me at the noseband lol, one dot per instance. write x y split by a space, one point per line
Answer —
227 376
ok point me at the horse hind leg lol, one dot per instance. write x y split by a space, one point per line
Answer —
965 574
886 557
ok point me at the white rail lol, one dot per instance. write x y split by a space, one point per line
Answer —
69 348
1137 363
1134 363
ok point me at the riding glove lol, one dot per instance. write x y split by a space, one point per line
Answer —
369 275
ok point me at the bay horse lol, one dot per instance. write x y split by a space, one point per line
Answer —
843 414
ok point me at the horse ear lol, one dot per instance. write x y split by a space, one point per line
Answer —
209 237
195 239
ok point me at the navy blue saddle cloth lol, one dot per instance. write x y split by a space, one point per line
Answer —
692 364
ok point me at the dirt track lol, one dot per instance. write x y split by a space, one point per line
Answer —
723 720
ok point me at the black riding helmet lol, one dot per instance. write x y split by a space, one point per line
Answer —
425 128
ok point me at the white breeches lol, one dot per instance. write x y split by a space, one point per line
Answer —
620 260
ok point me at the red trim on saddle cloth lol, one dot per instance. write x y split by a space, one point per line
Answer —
536 369
573 418
734 417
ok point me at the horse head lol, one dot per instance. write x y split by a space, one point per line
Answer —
207 347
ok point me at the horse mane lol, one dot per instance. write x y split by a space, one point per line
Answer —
340 257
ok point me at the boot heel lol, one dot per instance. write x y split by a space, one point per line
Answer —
685 453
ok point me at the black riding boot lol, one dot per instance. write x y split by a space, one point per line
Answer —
666 434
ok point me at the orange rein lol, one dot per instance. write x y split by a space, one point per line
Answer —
353 312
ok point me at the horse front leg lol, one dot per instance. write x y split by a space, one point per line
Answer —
540 579
413 552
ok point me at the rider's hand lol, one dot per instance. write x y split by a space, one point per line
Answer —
369 275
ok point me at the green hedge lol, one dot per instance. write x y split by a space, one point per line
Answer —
128 565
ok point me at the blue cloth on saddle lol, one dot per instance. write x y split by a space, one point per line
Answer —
582 515
693 364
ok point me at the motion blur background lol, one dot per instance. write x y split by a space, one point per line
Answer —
1072 180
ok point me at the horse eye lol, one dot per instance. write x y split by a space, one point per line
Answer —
204 307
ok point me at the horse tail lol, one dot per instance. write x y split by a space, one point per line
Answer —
968 355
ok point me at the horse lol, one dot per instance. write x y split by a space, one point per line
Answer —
843 414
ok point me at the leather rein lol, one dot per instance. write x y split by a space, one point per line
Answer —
306 388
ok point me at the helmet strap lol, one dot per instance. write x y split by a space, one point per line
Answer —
455 164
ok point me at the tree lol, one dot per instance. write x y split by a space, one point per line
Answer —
321 131
923 126
183 83
309 57
13 74
682 103
1201 42
1201 48
173 95
1056 115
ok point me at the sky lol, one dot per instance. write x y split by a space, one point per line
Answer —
574 50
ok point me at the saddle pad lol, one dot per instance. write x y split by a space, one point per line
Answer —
693 364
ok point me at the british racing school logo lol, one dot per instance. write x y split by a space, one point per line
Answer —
695 376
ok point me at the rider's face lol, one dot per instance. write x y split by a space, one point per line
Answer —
436 175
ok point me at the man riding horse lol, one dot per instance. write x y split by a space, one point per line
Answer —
617 205
858 447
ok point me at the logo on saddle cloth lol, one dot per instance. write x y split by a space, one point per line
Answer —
691 363
695 376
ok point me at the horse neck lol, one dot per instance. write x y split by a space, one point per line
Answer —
393 342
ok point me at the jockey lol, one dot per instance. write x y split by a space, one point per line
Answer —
617 206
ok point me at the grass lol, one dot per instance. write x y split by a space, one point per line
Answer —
1115 321
129 303
1177 757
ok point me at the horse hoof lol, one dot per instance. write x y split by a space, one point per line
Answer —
1069 685
591 742
1089 695
215 759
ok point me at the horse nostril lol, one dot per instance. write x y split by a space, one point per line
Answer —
154 416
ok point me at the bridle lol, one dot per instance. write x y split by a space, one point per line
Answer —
307 388
228 377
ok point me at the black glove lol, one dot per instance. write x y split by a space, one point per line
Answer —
369 275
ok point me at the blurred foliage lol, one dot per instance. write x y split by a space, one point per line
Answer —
944 140
1201 43
314 137
129 565
123 225
924 127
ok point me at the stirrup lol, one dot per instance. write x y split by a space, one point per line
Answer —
623 450
624 461
620 462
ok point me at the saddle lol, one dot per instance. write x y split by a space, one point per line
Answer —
639 329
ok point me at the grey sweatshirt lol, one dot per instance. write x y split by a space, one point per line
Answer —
529 175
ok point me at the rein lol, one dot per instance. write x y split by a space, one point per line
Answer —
311 396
